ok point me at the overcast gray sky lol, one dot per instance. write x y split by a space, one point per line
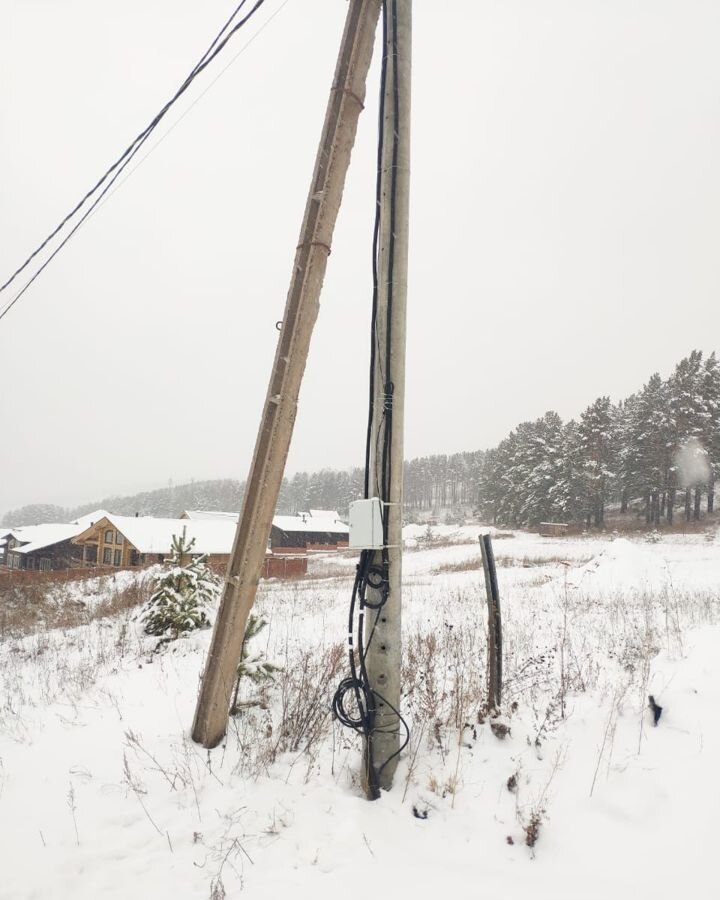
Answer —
565 224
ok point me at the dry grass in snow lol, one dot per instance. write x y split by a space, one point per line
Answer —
571 792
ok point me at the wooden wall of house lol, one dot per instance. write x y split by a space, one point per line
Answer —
112 548
60 556
12 560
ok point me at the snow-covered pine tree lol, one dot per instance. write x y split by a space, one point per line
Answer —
508 469
487 499
183 595
569 493
253 667
544 467
629 462
598 445
652 438
689 415
711 429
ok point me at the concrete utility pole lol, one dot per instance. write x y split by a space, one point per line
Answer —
278 418
384 650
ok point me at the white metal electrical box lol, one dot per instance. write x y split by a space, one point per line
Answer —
366 526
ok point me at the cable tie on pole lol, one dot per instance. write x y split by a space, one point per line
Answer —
346 90
314 244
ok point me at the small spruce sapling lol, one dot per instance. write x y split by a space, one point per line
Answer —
180 602
253 667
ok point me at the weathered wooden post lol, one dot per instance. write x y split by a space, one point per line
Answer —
494 657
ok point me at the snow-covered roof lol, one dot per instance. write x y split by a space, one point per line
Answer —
202 515
325 525
150 535
91 518
213 535
316 520
37 537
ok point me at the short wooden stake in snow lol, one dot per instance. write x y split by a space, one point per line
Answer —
301 309
494 625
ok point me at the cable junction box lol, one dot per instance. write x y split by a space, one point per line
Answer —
366 524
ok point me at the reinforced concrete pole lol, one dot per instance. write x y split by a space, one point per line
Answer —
278 417
383 627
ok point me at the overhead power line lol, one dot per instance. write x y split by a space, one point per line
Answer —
196 101
111 175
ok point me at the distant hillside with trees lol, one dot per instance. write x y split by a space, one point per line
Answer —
659 450
431 483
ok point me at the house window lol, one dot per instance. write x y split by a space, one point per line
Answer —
117 558
109 536
118 538
45 565
107 556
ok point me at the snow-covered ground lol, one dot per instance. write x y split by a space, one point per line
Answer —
103 794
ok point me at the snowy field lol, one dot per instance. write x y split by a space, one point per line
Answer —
104 795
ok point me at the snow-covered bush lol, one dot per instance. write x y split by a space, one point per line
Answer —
183 595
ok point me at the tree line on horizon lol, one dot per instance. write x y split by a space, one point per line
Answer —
658 450
431 483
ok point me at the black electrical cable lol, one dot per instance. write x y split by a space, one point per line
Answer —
375 257
370 574
120 164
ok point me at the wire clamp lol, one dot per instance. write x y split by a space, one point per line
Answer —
315 244
346 90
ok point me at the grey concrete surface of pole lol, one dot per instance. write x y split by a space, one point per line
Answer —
383 627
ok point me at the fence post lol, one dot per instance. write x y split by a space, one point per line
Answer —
494 656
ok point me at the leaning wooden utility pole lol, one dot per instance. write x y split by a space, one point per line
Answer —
273 440
383 628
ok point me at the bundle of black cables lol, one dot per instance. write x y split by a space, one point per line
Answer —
357 684
373 573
